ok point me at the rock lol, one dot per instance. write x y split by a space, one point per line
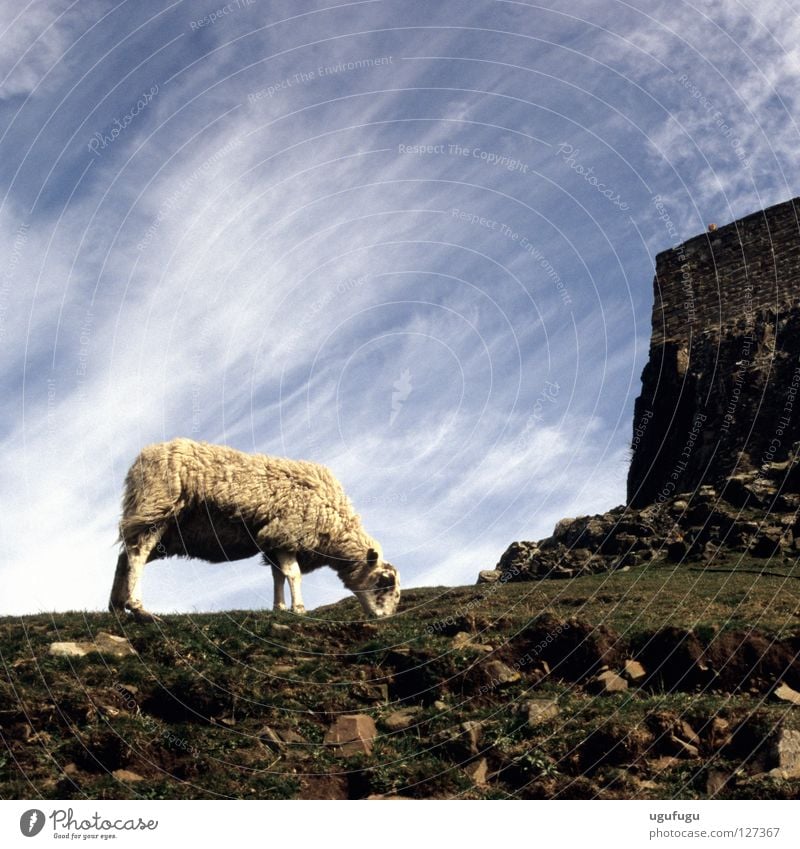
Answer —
683 747
541 710
280 628
608 682
71 769
440 705
633 671
127 775
784 693
784 754
489 576
270 738
719 733
292 738
686 732
472 734
353 735
716 781
401 719
104 643
478 772
370 692
461 640
500 674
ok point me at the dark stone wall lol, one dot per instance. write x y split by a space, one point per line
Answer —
718 278
719 392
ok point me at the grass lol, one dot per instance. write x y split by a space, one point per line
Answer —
187 714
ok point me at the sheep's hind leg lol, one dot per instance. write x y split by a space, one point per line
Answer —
119 589
278 580
138 555
290 569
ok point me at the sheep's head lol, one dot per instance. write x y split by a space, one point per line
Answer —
381 595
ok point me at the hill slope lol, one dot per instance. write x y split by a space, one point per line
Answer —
492 691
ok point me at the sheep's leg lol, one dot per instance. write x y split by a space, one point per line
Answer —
137 556
290 569
119 589
278 580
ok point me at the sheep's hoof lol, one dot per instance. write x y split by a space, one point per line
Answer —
299 610
280 606
142 615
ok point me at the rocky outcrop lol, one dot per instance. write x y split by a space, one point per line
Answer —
755 515
716 428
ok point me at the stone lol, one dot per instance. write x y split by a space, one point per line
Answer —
472 734
784 693
478 772
608 682
461 640
489 576
500 674
541 710
719 733
370 692
784 754
280 628
104 643
633 671
127 775
716 781
352 735
292 738
440 705
401 719
71 769
683 747
270 738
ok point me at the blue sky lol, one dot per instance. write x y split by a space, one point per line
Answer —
412 241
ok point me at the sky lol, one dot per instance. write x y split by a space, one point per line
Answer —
413 241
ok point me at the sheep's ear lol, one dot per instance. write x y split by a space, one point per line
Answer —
372 557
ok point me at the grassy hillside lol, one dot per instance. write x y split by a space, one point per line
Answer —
238 704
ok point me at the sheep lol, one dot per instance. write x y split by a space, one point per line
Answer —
213 502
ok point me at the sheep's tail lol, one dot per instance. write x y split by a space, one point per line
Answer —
147 500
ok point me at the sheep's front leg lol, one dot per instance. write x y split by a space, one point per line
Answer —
290 569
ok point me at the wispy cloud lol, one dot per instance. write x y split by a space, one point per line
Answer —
347 234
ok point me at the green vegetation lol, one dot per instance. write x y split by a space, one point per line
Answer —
195 712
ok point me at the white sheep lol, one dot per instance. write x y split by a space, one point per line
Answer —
216 503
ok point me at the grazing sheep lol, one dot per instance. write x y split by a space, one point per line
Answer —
215 503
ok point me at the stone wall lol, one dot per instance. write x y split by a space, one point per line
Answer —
720 278
719 393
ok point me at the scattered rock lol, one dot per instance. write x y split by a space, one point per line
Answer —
500 674
401 719
783 692
461 640
683 747
292 738
608 682
478 772
541 710
270 738
353 735
370 692
71 769
127 775
719 733
716 781
633 671
784 754
472 734
280 628
440 705
104 643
